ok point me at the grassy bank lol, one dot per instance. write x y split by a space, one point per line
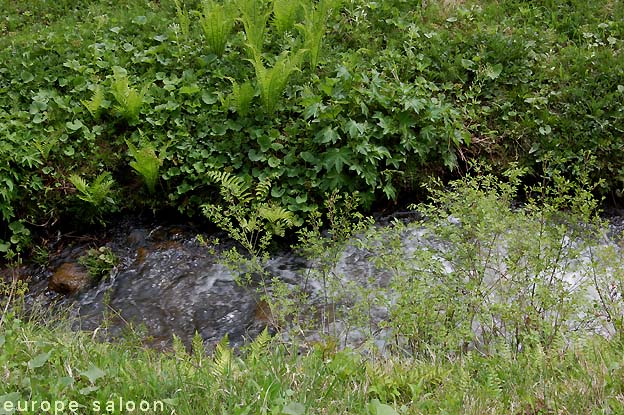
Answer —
126 105
49 362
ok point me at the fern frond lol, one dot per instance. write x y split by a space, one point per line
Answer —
231 184
241 97
254 16
96 102
263 188
272 81
146 163
129 99
222 359
285 14
217 21
258 347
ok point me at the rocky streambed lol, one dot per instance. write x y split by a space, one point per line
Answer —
167 282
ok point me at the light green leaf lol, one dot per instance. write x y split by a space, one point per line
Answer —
9 397
294 408
93 374
38 360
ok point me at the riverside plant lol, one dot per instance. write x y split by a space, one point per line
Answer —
129 99
314 27
147 164
217 21
272 81
254 16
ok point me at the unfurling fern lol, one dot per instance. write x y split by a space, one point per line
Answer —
129 99
272 81
254 16
96 103
216 21
146 163
285 14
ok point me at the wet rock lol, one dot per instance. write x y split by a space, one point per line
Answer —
69 279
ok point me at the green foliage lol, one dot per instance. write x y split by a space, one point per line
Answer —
98 195
97 102
386 94
99 262
147 164
216 20
272 81
285 14
241 97
314 27
254 15
246 214
129 99
184 20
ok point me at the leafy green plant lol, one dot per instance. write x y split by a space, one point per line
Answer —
314 27
97 102
217 21
285 14
97 194
184 20
99 262
247 216
254 16
129 99
241 97
272 81
147 164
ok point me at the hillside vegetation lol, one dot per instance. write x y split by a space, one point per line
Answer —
109 106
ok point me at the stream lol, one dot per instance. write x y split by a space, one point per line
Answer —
167 283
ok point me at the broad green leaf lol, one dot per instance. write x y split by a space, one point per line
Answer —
294 408
93 374
74 125
9 397
337 158
38 360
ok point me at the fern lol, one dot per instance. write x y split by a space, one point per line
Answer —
97 193
254 16
231 185
184 20
222 359
96 102
242 96
285 14
314 27
129 99
248 217
258 348
216 22
146 163
278 219
272 81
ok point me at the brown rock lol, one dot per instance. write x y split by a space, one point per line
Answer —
69 279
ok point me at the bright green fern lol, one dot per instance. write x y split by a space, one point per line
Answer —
216 20
272 81
285 14
146 163
129 99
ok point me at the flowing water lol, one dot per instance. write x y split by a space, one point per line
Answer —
167 283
